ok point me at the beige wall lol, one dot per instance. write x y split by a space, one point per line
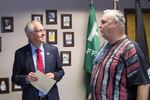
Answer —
72 86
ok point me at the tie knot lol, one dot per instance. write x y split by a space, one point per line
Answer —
38 50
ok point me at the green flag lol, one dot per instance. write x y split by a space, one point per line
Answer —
92 45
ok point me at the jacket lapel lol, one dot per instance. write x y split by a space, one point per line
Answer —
29 59
48 57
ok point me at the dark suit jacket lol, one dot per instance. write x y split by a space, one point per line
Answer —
23 65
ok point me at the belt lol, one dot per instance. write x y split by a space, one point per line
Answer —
43 97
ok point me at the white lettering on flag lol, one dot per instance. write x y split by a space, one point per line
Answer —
93 32
91 52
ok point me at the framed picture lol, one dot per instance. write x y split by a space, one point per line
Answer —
51 16
4 85
65 58
68 39
7 24
66 21
51 36
37 17
0 44
15 87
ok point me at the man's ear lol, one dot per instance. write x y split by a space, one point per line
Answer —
30 36
115 24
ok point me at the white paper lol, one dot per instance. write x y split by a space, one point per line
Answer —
44 83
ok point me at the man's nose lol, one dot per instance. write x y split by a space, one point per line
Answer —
100 26
43 34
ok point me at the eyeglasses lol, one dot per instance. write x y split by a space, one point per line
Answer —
41 30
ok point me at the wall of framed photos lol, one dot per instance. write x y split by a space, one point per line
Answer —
66 25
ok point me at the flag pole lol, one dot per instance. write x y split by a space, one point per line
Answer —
116 4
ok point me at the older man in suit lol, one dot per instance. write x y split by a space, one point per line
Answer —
27 61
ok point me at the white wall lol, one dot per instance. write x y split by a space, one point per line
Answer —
72 86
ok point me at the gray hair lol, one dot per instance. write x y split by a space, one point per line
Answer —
30 27
117 16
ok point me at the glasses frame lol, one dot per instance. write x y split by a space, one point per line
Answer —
41 30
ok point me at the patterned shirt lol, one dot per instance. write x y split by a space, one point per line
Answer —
117 72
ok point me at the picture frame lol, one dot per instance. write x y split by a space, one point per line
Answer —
37 17
65 58
66 21
0 44
51 16
51 35
68 39
7 24
4 85
15 87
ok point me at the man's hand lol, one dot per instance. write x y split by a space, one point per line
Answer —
142 92
90 97
31 77
51 75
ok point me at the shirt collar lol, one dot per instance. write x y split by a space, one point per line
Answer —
34 48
